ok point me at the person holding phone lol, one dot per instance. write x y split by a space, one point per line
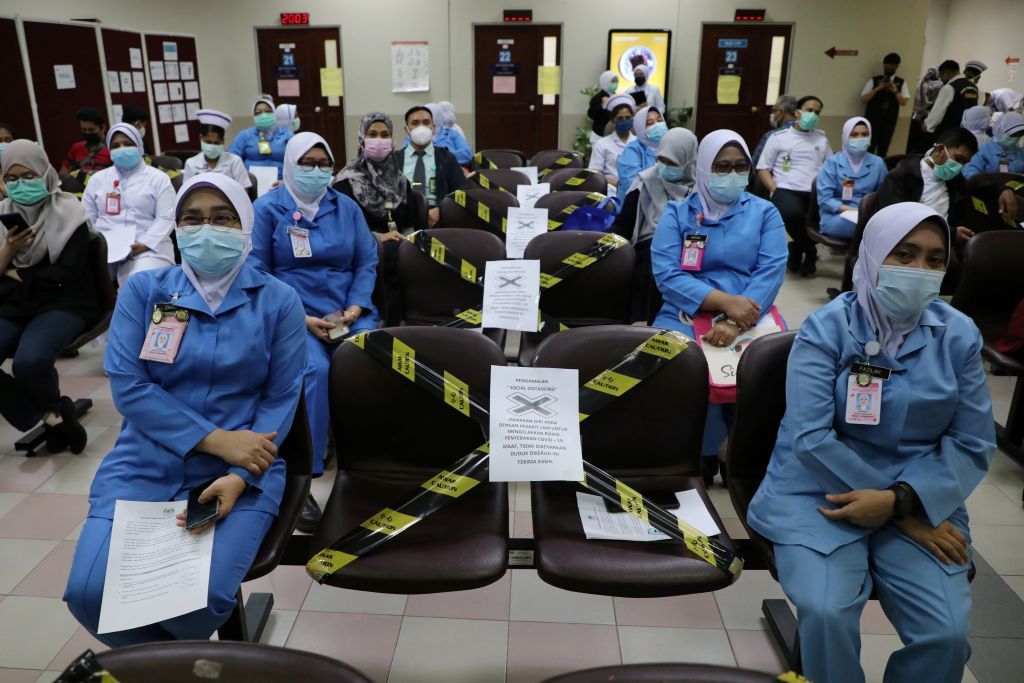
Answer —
205 363
46 294
316 239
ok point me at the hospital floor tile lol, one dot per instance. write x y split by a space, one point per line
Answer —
995 608
289 584
279 627
538 651
1002 546
42 515
35 630
19 558
996 660
323 598
683 611
489 602
81 641
988 504
450 651
9 500
50 576
364 641
534 600
756 650
699 645
74 478
21 474
740 603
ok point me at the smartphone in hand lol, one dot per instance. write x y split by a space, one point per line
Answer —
340 329
197 514
14 222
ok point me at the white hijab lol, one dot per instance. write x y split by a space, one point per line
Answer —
680 147
133 134
285 116
605 81
293 151
214 288
855 158
446 114
269 101
640 127
1008 124
884 231
708 150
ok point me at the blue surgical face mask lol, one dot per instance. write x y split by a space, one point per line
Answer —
808 120
948 170
859 145
126 158
670 174
656 132
727 188
903 293
623 126
1008 143
311 183
211 151
265 121
211 250
612 87
295 124
27 192
3 146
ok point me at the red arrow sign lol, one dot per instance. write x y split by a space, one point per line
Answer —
832 52
1013 60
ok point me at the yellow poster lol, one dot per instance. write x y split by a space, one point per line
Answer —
728 89
549 80
629 49
331 84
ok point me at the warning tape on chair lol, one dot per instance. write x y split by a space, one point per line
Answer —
578 179
488 184
465 474
560 162
483 161
493 218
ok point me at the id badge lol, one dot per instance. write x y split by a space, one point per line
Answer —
166 329
848 190
863 400
787 163
263 147
693 251
300 242
113 207
1004 167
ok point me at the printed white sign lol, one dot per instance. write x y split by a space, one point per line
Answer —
65 75
598 523
135 56
529 171
511 295
529 194
522 226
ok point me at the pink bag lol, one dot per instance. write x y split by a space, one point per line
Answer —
722 362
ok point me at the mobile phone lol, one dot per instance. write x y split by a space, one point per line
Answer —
14 222
666 500
197 514
340 329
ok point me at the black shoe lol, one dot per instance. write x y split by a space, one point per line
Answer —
810 264
709 468
793 263
310 518
55 441
70 428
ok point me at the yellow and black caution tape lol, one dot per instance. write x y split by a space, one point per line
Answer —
557 221
560 162
86 669
792 677
483 162
488 184
462 476
578 179
492 217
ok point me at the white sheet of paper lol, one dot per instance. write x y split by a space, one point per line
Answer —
600 524
722 362
170 50
535 424
178 112
156 71
113 82
522 226
65 76
160 92
529 194
191 90
135 55
139 81
119 243
118 112
175 92
851 216
126 82
155 569
171 71
530 171
266 176
164 113
188 71
512 295
181 132
192 111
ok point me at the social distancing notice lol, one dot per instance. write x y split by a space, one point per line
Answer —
512 295
529 194
523 226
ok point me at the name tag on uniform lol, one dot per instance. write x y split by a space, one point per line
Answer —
300 242
263 146
847 190
432 185
1004 167
693 251
166 329
113 204
864 393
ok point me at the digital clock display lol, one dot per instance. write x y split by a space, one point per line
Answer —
294 18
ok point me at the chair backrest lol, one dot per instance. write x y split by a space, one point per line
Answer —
252 189
565 179
390 424
503 177
106 295
72 183
894 160
237 662
431 294
813 210
168 163
865 211
502 158
556 202
421 210
547 158
454 216
665 673
760 405
181 154
177 181
599 294
984 190
656 429
991 285
297 452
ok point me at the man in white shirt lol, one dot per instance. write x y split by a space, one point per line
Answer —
884 95
958 94
604 156
788 166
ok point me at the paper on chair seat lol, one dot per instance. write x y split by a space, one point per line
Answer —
599 524
266 176
155 569
851 216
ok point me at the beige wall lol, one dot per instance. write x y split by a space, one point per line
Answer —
225 37
989 31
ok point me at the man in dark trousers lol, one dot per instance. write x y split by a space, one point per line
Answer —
433 171
884 95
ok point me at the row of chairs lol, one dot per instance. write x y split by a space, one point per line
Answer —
559 179
511 158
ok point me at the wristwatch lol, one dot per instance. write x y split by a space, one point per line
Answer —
905 500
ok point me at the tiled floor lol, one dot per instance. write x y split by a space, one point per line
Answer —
517 630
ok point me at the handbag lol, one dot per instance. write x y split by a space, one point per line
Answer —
723 361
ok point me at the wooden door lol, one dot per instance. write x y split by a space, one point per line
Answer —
290 63
173 66
15 105
509 112
743 70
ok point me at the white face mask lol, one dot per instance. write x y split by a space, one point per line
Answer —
421 135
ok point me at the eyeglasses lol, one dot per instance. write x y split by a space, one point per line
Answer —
725 168
308 166
220 219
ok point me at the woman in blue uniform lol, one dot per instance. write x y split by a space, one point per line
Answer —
639 155
869 493
316 239
215 409
1003 153
264 143
846 177
741 268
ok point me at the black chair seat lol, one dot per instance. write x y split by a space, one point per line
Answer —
565 558
1005 364
461 546
665 673
827 240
